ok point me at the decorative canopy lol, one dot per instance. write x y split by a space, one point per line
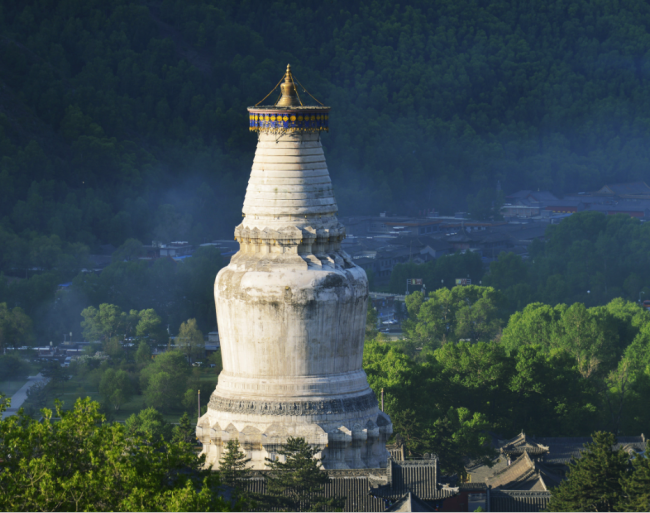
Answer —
288 114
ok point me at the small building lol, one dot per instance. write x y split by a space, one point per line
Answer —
633 209
565 206
213 344
527 197
176 249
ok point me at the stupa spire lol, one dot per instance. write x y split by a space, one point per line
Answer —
289 96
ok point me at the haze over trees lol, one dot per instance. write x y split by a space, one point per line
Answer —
124 123
589 258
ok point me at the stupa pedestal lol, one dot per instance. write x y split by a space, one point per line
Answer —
291 309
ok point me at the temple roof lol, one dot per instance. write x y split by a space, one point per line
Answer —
520 444
630 188
410 502
562 450
521 473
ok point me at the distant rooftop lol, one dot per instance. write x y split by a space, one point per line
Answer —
630 188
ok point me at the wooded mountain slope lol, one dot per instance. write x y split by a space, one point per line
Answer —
131 115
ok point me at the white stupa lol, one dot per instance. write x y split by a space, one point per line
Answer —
291 309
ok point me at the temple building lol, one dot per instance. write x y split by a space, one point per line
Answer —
291 309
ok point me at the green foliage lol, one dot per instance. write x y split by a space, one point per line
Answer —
37 395
190 340
116 387
486 204
150 425
636 486
587 338
216 359
53 370
440 272
233 466
535 325
131 250
538 107
190 400
103 324
464 312
150 326
12 366
15 328
297 483
593 481
444 426
185 431
143 353
176 292
596 337
82 463
163 382
588 258
371 321
110 322
445 402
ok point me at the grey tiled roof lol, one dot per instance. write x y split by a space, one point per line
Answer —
561 450
410 502
626 188
516 500
376 489
355 489
519 471
417 476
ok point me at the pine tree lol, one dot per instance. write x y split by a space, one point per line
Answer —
297 484
636 486
185 431
232 466
593 481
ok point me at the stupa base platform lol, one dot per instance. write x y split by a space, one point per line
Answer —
351 433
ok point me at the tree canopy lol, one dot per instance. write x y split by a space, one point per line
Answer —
79 462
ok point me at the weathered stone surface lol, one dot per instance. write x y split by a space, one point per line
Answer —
291 310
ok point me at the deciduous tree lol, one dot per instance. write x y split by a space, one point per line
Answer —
82 463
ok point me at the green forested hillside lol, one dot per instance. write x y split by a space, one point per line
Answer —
127 119
131 105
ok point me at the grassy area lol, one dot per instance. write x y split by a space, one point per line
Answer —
10 387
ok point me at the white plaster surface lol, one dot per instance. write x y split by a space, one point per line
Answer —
291 310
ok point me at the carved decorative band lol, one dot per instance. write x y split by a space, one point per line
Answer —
294 408
289 235
294 120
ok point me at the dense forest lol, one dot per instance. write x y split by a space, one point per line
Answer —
127 120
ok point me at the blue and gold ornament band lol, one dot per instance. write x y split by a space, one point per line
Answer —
266 120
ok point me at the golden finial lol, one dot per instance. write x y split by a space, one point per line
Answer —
289 95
